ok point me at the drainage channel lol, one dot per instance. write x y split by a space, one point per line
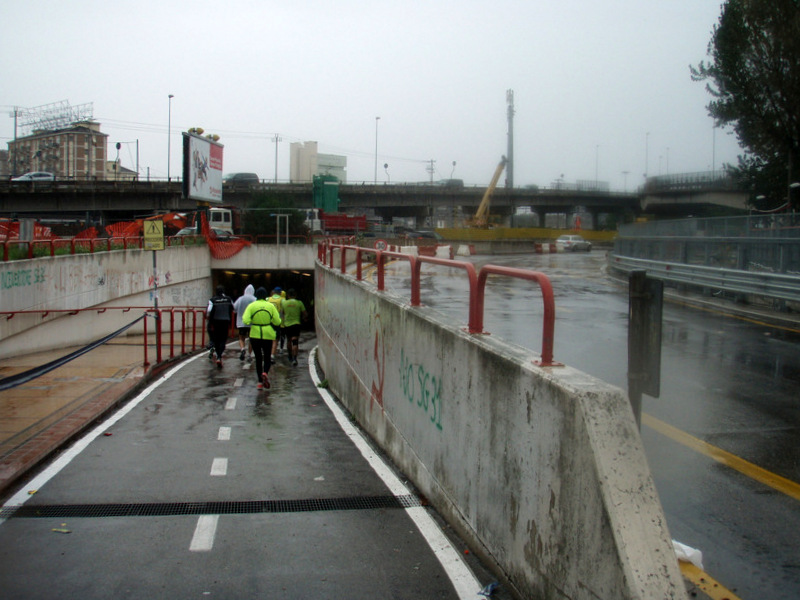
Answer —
167 509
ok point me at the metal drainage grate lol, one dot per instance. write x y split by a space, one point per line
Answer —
168 509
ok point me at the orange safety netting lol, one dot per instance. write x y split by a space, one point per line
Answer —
87 234
9 230
125 229
221 249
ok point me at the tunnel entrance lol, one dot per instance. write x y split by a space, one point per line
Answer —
301 281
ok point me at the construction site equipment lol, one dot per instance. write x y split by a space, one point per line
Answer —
481 218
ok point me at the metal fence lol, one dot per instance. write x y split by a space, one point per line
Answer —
753 243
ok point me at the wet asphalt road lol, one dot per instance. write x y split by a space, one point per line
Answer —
730 383
209 436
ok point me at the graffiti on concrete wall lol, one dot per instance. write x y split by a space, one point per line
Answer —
22 278
422 389
379 358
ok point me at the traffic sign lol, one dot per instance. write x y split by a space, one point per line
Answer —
154 235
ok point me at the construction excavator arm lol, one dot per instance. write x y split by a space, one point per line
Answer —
482 214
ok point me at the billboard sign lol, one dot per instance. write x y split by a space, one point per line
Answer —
202 168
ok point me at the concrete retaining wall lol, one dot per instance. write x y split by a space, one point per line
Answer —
104 279
541 469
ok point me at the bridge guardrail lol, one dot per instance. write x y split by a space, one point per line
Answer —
477 285
772 285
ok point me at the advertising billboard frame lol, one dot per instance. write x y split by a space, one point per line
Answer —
202 169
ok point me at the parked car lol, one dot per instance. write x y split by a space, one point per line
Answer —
419 235
242 179
572 243
36 176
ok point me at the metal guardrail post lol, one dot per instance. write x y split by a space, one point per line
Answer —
644 339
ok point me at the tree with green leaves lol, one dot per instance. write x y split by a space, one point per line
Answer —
754 77
260 216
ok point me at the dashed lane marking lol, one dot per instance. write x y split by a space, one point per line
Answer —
239 381
219 467
204 533
224 434
231 403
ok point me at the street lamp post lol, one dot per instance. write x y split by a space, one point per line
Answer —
169 134
376 150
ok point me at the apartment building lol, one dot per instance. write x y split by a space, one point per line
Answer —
75 152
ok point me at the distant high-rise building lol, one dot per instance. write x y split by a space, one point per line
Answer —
305 162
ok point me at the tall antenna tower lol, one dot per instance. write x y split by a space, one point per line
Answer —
52 117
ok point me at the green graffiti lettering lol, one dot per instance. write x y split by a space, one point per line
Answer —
19 278
424 392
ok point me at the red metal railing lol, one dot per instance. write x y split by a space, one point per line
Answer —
187 336
91 245
69 246
477 285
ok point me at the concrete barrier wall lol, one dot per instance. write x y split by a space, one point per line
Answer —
103 279
541 469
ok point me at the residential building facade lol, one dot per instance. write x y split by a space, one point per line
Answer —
75 152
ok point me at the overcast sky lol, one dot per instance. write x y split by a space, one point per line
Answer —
598 85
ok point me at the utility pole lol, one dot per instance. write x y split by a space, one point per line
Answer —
276 139
431 169
510 151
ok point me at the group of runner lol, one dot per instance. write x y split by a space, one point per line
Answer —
265 324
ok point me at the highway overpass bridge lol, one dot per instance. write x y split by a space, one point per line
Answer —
120 200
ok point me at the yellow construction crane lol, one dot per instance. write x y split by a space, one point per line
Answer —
481 218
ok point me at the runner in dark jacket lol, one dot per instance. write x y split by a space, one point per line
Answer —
219 312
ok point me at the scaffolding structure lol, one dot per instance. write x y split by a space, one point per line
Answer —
52 117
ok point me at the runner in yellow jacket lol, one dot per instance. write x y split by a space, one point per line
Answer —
264 319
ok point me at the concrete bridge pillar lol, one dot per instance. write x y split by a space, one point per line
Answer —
541 213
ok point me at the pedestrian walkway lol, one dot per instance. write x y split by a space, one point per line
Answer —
38 417
280 489
42 416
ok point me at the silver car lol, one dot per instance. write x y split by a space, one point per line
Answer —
36 176
572 243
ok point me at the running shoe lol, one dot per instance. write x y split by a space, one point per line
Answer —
219 363
265 380
241 354
260 386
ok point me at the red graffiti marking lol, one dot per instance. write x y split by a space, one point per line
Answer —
379 355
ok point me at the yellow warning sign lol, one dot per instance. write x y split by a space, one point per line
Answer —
154 235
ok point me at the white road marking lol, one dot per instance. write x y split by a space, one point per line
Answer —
239 381
231 403
463 580
219 467
224 434
204 533
22 496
